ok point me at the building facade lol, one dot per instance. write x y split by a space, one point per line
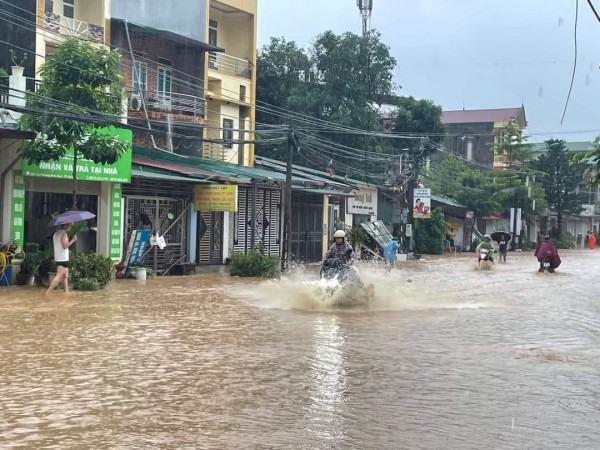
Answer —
472 135
231 81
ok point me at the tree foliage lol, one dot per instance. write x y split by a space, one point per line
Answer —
485 192
511 142
560 180
430 233
591 160
76 80
340 79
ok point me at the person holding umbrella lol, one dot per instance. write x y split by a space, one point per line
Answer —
502 238
62 243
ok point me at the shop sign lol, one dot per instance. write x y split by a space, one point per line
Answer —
17 229
216 197
422 205
138 243
87 170
115 221
364 202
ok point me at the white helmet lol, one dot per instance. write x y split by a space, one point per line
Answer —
487 237
339 234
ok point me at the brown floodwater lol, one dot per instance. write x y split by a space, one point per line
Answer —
448 358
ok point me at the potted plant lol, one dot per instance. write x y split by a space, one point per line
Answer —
17 67
91 271
138 271
29 270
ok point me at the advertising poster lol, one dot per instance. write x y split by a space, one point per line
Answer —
422 204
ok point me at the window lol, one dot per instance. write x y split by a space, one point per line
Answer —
49 7
227 133
212 40
140 77
69 8
164 81
242 93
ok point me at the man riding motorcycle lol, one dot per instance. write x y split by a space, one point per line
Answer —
338 259
340 249
546 250
488 245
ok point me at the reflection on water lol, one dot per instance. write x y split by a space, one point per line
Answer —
453 358
329 380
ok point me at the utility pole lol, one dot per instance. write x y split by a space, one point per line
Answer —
366 8
287 220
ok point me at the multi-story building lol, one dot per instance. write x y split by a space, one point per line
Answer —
37 28
231 81
473 133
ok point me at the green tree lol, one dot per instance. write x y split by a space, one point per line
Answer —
430 233
591 160
419 116
486 192
337 79
560 180
75 82
510 141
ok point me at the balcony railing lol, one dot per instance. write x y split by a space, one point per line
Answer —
168 102
230 65
73 27
212 150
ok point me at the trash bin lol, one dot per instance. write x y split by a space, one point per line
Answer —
6 276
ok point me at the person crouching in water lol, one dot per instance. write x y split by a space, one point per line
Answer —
489 245
340 249
546 249
62 243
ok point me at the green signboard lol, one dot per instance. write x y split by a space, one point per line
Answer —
119 172
115 221
17 229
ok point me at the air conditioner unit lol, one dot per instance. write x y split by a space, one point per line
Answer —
135 102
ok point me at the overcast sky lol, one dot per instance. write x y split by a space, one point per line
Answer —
473 53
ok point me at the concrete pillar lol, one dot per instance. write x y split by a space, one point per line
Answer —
103 219
227 235
325 224
17 85
192 244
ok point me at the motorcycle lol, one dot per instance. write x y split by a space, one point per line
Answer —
341 285
545 265
338 269
483 261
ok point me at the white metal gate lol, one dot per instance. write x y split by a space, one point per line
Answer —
267 212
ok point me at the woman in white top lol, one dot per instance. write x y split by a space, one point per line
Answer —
61 256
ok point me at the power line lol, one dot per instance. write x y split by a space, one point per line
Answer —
594 10
574 62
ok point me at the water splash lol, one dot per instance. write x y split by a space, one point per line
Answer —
396 290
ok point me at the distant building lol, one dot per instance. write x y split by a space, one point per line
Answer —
472 134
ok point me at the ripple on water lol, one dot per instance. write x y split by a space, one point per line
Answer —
455 358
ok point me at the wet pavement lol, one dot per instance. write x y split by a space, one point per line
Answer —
455 358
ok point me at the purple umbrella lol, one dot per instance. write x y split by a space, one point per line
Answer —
71 217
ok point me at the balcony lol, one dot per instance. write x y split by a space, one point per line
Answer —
183 107
230 65
72 27
211 150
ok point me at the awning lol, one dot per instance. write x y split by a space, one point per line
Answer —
329 192
141 171
150 31
192 173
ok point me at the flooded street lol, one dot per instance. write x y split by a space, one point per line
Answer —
456 358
